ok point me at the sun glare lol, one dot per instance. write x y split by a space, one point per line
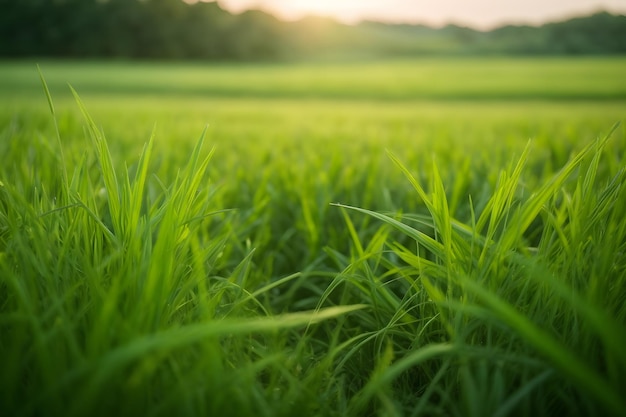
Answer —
345 10
479 13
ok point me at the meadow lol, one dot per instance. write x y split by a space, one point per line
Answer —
400 238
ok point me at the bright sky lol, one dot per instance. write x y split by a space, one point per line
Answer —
476 13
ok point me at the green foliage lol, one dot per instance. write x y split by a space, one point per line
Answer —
297 267
501 290
177 29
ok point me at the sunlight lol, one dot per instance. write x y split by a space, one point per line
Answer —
348 10
477 13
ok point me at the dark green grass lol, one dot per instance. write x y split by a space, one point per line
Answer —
300 269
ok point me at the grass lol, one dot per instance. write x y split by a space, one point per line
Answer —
441 79
379 256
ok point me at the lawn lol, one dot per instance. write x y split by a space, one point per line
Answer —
417 237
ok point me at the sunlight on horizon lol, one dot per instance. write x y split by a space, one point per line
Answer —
478 13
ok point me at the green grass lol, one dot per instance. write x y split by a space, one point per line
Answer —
416 248
470 79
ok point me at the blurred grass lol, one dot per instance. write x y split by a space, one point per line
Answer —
441 79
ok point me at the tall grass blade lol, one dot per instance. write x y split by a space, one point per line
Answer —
563 359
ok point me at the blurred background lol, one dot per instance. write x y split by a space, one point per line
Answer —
239 30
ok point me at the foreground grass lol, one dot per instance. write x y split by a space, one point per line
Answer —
190 282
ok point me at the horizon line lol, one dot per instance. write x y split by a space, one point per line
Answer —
297 17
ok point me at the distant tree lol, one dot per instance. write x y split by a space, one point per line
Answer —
177 29
255 35
601 33
207 31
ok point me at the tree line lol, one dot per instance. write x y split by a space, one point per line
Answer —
175 29
134 29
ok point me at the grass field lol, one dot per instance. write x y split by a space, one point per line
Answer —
407 238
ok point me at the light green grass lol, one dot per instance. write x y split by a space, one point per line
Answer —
311 256
454 78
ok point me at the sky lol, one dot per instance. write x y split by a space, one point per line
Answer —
482 14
